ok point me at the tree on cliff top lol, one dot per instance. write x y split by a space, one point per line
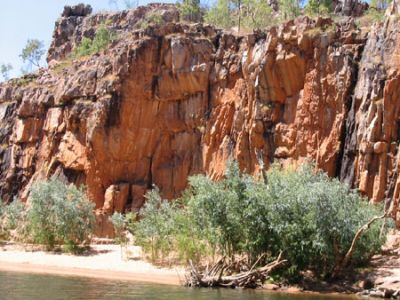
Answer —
289 9
189 10
5 70
32 53
219 14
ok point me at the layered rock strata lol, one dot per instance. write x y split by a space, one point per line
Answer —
168 101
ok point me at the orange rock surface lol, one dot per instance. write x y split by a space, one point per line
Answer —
169 101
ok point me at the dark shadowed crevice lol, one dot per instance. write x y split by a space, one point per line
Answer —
348 138
150 174
114 105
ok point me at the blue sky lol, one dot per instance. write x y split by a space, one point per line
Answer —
24 19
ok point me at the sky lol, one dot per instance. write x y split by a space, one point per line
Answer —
21 20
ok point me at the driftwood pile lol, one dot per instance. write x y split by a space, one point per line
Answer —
215 276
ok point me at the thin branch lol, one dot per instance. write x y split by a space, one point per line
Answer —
357 236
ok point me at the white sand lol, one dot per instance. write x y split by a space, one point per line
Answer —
105 262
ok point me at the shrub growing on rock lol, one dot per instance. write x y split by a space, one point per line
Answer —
151 18
59 214
101 40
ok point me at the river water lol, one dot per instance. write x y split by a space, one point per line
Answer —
21 286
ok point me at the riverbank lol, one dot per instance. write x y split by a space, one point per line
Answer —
102 261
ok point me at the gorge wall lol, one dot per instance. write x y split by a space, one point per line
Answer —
172 100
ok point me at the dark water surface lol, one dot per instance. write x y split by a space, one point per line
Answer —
21 286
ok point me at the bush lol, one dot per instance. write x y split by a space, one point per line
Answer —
101 40
318 8
156 229
315 219
289 9
189 10
256 14
10 217
219 15
59 214
151 18
304 213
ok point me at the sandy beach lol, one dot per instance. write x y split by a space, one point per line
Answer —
104 261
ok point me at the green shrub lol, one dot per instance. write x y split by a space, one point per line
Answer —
189 10
151 18
10 217
122 224
316 218
219 14
304 213
2 217
375 15
119 222
289 9
59 214
256 14
318 8
101 40
156 229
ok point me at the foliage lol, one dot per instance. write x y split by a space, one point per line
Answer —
122 224
316 218
219 14
189 10
5 70
289 9
380 5
59 214
318 8
374 15
151 18
155 230
101 40
256 14
10 217
306 214
32 52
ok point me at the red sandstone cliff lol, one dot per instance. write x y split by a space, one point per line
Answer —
173 100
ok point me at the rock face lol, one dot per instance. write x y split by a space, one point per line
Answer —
168 101
371 149
353 8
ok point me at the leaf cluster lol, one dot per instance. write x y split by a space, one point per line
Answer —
101 40
304 213
33 52
151 18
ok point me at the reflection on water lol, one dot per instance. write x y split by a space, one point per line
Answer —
20 286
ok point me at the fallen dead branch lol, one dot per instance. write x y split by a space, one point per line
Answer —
215 278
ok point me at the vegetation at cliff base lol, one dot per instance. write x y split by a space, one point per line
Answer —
10 216
309 217
56 214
